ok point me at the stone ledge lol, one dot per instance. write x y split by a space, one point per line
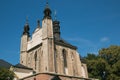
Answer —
60 75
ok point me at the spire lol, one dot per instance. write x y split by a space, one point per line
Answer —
55 15
26 19
47 11
26 27
47 5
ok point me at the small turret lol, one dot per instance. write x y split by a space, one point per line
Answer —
47 12
47 23
24 41
26 28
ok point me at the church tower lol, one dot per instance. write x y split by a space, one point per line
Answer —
24 39
48 40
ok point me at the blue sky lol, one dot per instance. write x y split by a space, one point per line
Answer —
88 24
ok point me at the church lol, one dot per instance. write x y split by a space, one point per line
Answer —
47 55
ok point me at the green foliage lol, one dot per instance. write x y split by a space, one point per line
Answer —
111 54
6 74
105 65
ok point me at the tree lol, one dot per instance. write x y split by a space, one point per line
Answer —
97 67
6 74
111 54
105 65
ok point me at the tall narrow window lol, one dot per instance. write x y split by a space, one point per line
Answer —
55 61
73 63
72 57
65 61
35 57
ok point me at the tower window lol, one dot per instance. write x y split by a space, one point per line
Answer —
35 57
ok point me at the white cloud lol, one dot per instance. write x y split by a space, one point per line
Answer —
104 39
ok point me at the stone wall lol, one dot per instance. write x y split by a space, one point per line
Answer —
73 61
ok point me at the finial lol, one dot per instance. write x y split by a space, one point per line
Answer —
26 19
55 15
47 11
26 27
47 2
47 5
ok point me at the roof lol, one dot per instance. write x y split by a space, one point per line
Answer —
5 64
65 43
22 66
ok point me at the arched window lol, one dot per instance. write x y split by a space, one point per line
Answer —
72 57
55 57
64 61
35 57
73 63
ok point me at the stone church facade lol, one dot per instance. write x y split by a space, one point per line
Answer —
49 55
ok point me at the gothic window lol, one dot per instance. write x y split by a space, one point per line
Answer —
56 65
73 63
72 57
40 56
64 60
35 57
